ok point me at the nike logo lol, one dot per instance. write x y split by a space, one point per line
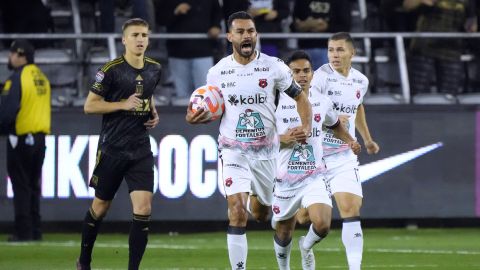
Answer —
372 169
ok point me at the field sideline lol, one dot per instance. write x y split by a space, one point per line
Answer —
388 249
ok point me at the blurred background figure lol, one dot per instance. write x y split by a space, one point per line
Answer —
439 58
268 15
25 118
190 59
320 17
26 16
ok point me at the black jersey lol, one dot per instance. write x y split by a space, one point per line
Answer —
123 132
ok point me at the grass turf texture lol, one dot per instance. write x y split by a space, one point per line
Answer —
427 249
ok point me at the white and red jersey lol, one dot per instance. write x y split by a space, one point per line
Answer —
248 122
346 94
295 164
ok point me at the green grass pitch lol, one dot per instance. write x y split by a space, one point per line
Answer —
446 249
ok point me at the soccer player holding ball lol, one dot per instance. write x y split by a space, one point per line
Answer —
248 140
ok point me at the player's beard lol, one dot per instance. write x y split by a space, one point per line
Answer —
245 53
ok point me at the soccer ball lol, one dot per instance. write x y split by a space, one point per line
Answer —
210 99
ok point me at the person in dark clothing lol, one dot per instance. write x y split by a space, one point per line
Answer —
26 16
122 92
268 15
320 16
190 59
25 117
440 58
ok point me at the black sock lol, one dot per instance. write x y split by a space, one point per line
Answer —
138 240
90 228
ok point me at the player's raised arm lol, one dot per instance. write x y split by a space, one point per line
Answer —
362 127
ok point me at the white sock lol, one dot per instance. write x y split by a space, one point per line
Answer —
282 253
352 238
311 238
237 250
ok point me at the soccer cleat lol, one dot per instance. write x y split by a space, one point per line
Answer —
308 259
81 266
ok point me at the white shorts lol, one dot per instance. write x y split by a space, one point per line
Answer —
286 203
344 178
241 174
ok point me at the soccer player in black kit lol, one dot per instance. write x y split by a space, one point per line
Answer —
122 92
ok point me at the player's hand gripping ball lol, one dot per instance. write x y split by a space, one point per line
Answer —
209 98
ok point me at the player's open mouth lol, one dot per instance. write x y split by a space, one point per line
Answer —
246 46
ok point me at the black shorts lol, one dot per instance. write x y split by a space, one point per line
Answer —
109 173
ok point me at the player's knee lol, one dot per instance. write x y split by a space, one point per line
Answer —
283 235
322 227
238 214
144 209
350 210
100 207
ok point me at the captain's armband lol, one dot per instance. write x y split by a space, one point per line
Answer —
294 90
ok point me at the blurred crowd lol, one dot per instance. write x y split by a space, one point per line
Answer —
435 65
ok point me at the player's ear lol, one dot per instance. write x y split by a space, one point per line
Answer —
123 40
229 36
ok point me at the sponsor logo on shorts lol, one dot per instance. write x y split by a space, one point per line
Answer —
234 165
283 197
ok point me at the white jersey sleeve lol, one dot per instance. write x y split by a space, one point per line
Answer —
284 77
318 81
331 117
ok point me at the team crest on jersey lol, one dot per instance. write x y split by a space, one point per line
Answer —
99 76
302 159
276 209
358 94
250 126
262 83
317 117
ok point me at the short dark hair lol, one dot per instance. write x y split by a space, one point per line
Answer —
342 36
297 55
239 15
134 21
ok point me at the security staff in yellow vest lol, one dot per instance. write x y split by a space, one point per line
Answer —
25 119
